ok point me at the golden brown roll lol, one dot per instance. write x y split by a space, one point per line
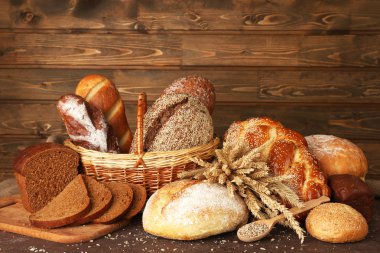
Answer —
337 155
336 223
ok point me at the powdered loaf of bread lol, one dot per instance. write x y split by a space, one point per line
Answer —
68 206
42 171
86 124
337 155
174 122
190 210
284 150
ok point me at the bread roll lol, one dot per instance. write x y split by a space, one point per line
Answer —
336 223
338 156
196 86
284 150
174 122
190 210
100 92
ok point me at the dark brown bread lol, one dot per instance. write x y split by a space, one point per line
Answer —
174 122
101 200
42 171
196 86
352 191
122 198
68 206
138 202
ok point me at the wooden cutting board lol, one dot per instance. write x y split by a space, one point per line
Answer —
14 218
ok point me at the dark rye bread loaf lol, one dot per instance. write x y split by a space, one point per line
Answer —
122 198
175 121
69 205
101 200
42 171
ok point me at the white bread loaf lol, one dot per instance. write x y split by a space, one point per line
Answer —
190 210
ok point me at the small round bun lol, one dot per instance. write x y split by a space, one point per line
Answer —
338 156
196 86
336 223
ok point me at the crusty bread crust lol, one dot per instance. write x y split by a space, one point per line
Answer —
337 155
336 223
190 210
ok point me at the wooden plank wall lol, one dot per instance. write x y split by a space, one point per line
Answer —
313 65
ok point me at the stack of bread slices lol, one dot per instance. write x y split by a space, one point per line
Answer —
56 195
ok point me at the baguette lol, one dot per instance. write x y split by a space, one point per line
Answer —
100 92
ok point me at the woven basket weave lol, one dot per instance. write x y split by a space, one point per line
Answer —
151 169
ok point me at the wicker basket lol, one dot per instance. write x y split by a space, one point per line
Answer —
151 169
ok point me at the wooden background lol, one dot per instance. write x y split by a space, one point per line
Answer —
313 65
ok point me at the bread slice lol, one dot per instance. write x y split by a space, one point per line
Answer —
42 171
138 201
122 198
68 206
101 200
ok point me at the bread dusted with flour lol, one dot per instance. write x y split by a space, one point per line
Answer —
196 86
190 210
86 124
284 150
174 122
337 155
42 171
101 93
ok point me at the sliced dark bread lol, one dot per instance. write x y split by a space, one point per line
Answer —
138 201
101 200
68 206
122 198
42 171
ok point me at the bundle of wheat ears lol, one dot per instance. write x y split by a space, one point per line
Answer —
242 173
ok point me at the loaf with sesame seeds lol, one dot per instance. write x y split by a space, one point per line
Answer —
174 122
285 151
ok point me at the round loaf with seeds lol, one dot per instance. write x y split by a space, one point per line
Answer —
196 86
175 122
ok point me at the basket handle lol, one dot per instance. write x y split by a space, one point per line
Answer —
141 110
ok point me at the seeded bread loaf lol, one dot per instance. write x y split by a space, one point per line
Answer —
197 86
42 171
101 200
68 206
122 198
174 122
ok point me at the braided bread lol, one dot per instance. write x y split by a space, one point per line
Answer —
285 152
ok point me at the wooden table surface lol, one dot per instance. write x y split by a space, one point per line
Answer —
134 239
